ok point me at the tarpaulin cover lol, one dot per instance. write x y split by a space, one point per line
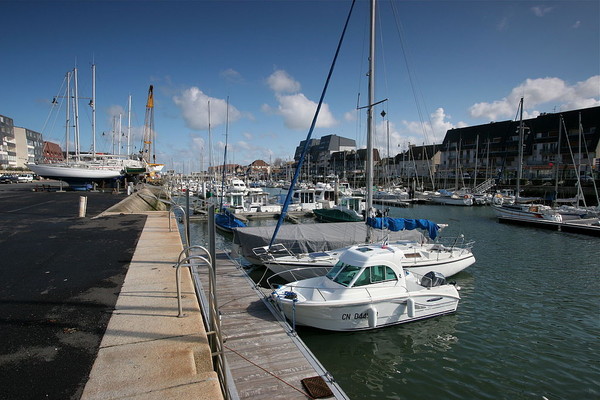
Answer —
309 238
400 224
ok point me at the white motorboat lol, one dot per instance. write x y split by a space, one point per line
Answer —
367 289
527 212
458 198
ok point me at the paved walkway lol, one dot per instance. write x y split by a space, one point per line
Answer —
148 352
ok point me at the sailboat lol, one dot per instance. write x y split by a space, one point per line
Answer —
225 220
80 169
418 251
521 210
368 288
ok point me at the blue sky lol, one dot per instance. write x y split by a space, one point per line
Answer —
440 64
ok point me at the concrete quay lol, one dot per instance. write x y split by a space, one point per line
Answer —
147 352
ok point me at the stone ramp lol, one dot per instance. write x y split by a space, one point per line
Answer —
148 352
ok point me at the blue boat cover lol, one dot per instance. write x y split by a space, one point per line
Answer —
228 220
399 224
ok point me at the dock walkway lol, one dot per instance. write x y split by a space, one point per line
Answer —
266 359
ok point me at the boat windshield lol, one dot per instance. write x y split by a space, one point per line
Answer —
343 273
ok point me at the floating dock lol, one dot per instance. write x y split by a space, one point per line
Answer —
266 359
586 226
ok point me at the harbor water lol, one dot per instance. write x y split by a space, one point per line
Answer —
527 325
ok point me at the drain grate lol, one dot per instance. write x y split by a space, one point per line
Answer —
316 387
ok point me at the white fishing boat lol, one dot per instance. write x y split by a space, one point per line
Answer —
367 289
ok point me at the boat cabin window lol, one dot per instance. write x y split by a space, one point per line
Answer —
375 274
344 274
334 271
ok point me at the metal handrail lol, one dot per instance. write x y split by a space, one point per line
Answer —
187 239
184 263
212 320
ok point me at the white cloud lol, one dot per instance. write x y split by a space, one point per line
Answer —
194 106
295 108
231 75
281 82
538 92
540 11
298 112
413 132
576 25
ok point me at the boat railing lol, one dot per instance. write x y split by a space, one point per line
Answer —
429 280
451 243
334 293
317 270
268 253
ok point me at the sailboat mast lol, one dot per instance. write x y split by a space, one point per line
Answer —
119 132
129 126
224 176
558 158
68 119
370 121
93 104
520 163
76 110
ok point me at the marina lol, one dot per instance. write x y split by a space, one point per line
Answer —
472 353
519 276
306 238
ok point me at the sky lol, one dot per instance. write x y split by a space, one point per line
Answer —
255 70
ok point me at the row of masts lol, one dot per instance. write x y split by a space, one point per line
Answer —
72 121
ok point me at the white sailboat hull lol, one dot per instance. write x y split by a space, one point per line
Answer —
448 262
82 172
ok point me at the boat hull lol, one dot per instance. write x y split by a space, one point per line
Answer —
532 213
335 215
291 268
370 314
67 172
453 200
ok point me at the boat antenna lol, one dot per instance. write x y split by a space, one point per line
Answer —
310 131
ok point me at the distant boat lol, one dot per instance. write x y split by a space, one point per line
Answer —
349 209
458 198
227 222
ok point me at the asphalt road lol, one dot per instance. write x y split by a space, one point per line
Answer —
60 276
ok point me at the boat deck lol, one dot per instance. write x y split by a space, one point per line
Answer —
266 360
